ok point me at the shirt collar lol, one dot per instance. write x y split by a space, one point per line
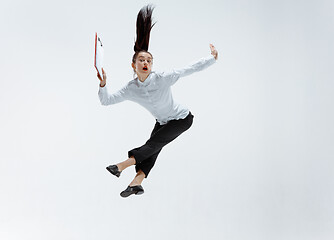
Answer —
147 80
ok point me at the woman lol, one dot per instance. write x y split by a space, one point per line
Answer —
152 90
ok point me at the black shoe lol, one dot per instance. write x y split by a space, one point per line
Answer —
113 169
132 190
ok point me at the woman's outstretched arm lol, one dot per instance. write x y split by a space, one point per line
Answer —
203 63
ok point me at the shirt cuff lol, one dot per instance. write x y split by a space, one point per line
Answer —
211 58
103 90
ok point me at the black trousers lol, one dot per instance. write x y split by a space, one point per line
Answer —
161 135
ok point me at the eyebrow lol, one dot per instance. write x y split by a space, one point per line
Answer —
144 57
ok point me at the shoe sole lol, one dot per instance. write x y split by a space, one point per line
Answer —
139 192
127 194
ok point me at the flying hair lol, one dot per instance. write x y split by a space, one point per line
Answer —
144 25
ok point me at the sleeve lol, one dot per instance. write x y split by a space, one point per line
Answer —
174 75
117 97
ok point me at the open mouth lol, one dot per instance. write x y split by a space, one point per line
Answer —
145 68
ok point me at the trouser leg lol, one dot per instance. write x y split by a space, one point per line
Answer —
161 136
147 165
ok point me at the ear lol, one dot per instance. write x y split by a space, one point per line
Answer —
133 66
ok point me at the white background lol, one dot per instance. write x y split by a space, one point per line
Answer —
256 164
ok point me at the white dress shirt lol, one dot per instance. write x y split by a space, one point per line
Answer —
154 93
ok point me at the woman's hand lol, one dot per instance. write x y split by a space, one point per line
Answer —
214 52
104 80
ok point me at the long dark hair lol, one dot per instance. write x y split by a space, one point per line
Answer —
143 26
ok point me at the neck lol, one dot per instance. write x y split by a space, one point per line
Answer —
142 77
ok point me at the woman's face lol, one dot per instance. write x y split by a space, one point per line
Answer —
143 64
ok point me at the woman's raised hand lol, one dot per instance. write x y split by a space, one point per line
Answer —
214 52
104 80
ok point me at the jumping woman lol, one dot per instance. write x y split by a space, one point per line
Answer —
152 90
